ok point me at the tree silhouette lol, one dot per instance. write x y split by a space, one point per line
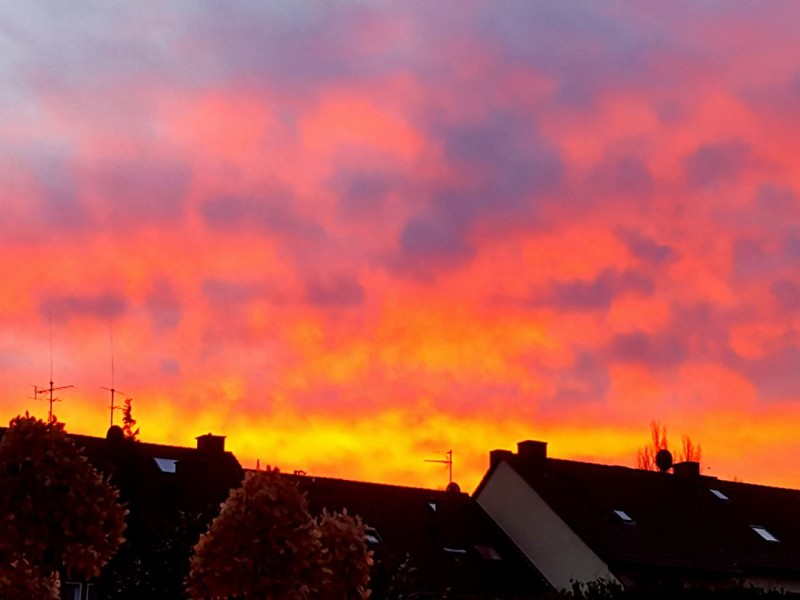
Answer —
264 544
345 559
646 456
690 451
58 516
20 579
128 422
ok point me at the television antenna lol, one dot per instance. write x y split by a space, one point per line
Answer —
448 462
112 389
51 388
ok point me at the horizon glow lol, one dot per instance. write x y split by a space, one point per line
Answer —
353 237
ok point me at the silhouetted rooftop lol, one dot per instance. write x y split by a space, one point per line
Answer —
454 546
690 524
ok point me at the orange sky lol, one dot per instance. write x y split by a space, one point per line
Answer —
352 237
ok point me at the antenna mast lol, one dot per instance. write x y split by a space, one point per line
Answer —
49 390
112 389
448 462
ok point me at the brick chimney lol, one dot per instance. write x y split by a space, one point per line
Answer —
532 450
497 456
211 443
687 470
533 454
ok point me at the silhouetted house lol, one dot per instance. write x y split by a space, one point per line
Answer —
581 521
429 543
172 493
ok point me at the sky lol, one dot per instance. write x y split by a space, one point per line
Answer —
351 236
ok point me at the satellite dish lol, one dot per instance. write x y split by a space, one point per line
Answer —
664 460
115 434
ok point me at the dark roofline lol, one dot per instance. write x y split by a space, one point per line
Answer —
709 479
405 488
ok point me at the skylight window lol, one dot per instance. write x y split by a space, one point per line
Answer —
432 506
764 533
371 536
719 495
167 465
623 516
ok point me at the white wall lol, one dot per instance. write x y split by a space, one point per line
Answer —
538 531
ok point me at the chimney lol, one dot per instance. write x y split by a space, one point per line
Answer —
532 451
497 456
686 470
211 443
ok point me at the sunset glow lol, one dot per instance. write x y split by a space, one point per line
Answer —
352 236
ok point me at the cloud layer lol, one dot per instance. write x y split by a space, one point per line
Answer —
352 239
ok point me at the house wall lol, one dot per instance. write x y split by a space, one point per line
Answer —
538 531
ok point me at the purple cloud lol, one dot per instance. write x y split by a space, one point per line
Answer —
338 292
585 380
225 294
716 163
787 295
363 194
164 306
625 176
143 191
655 350
593 294
275 215
504 167
96 306
646 249
775 375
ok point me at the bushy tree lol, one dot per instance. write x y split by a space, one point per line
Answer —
20 579
264 544
345 559
57 514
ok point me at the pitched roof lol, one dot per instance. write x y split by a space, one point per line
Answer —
678 523
452 545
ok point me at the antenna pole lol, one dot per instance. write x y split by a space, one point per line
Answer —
50 323
448 462
112 389
50 389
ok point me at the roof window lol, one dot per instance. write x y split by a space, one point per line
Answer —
454 550
432 506
764 533
719 495
166 465
623 516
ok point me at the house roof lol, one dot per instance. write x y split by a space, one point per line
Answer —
676 521
192 477
453 547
